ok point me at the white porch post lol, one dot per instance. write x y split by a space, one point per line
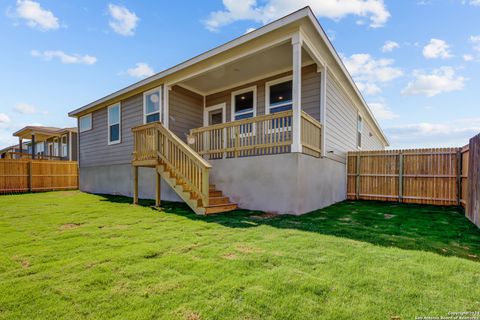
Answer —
323 106
296 92
166 105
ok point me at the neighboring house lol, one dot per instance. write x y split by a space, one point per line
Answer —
13 152
47 143
266 118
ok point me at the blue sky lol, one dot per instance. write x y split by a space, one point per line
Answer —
417 62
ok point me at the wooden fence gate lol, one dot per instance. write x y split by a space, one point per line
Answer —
473 202
424 176
23 175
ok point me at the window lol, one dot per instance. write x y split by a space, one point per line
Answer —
151 105
114 124
64 146
39 147
244 103
279 95
85 122
359 131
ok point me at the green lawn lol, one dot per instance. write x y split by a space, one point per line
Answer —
69 255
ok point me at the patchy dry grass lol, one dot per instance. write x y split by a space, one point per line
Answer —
69 255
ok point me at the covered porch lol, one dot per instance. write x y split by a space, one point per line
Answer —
269 100
45 143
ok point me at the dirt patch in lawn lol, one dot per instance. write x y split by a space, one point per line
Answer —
230 256
68 226
23 262
388 216
267 215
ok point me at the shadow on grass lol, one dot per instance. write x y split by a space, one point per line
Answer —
442 230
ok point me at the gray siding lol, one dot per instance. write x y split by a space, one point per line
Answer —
310 93
94 148
341 124
186 111
74 146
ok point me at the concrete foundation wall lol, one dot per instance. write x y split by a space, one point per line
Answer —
290 183
118 180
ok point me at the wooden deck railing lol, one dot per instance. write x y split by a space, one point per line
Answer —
310 135
25 155
155 142
262 135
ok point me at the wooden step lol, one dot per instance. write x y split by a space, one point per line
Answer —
212 209
215 193
218 200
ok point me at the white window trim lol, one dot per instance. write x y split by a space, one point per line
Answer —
62 145
80 120
267 92
207 110
236 93
111 124
161 103
359 130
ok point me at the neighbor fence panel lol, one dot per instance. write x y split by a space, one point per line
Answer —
473 203
424 176
23 175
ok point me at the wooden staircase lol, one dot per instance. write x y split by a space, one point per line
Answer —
184 170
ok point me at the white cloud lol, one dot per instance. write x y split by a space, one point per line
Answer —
250 30
122 20
455 133
389 46
475 40
63 57
269 10
440 80
382 111
437 49
25 108
370 73
468 57
4 118
473 2
36 16
141 70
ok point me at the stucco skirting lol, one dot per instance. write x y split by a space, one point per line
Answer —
290 183
118 180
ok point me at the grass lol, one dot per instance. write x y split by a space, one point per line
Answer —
69 255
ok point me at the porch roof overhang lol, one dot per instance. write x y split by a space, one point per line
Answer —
189 69
41 133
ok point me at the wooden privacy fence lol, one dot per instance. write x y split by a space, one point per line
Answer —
472 207
24 175
424 176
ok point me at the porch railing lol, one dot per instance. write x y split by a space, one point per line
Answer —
155 142
262 135
25 155
311 135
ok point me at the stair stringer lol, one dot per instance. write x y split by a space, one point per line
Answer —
185 196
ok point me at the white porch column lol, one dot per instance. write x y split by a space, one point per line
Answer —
296 92
323 106
166 105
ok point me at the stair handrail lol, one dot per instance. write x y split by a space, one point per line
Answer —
154 141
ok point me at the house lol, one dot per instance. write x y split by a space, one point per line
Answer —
13 152
47 143
263 122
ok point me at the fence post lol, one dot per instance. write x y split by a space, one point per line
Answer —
30 179
459 177
357 179
400 177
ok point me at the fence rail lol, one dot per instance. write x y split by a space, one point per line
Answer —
26 175
426 176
